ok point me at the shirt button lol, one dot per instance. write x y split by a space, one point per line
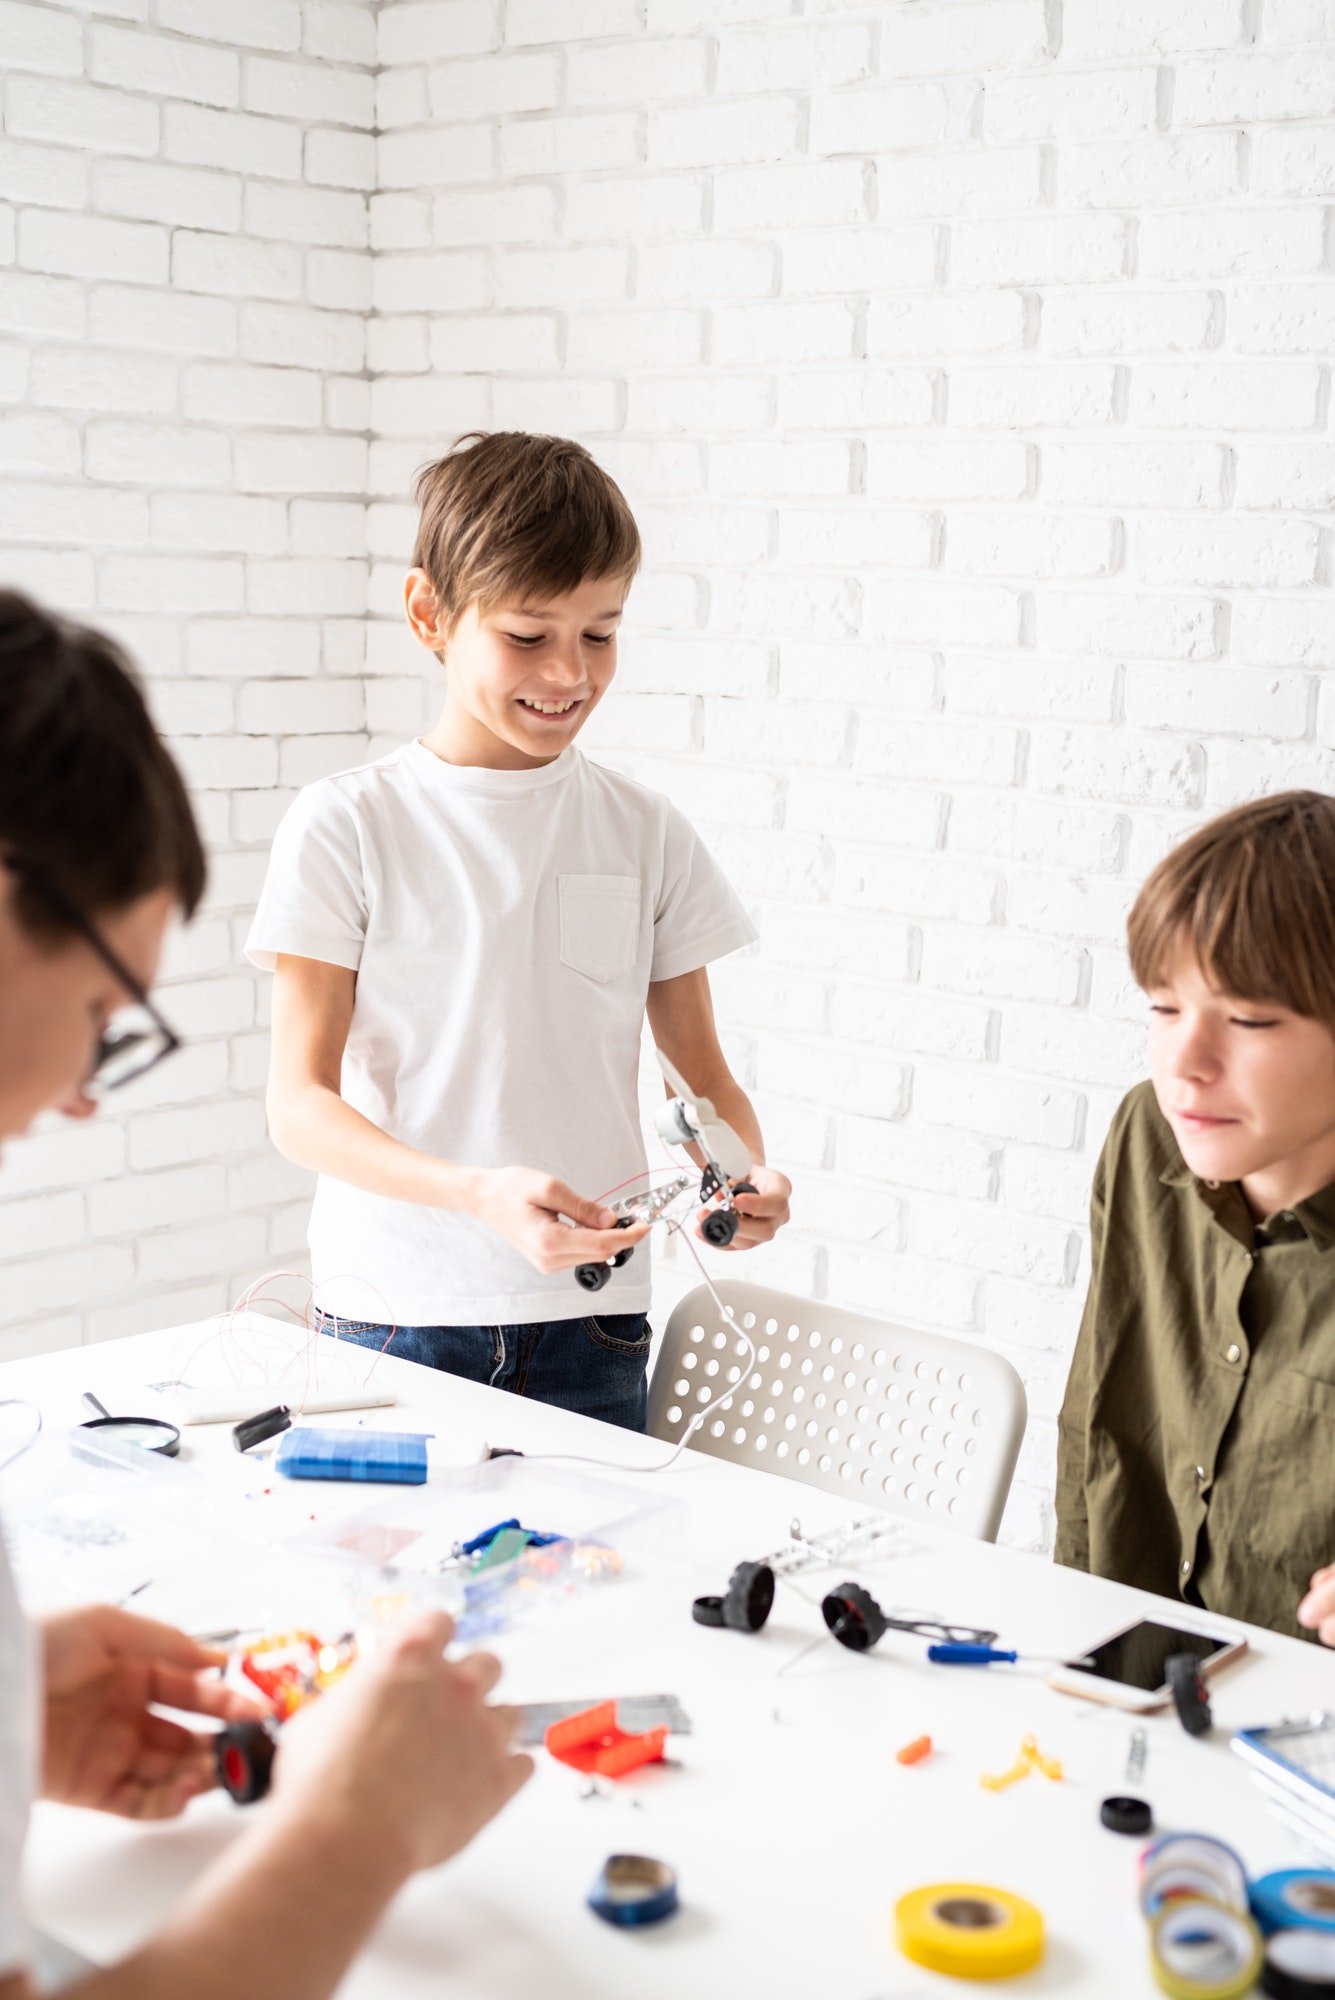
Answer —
1186 1568
1233 1352
1200 1472
1288 1216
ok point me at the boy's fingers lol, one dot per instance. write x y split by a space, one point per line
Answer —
586 1214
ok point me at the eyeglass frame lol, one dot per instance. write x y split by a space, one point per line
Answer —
60 905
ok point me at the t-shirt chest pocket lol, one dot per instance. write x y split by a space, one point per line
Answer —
600 924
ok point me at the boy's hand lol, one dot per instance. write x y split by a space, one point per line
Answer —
526 1209
1317 1610
763 1213
103 1746
405 1750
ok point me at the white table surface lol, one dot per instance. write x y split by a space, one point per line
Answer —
791 1826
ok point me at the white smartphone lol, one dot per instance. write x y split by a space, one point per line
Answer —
1128 1668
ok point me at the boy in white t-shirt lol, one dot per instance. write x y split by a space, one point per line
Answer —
467 935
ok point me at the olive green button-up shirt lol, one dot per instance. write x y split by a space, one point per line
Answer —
1196 1444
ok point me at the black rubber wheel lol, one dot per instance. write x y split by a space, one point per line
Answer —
1183 1674
749 1597
244 1754
854 1617
592 1276
720 1227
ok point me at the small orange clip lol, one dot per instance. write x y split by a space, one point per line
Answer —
914 1752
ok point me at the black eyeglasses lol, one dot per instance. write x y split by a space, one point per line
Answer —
136 1038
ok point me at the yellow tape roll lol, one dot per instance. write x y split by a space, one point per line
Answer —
1201 1950
968 1930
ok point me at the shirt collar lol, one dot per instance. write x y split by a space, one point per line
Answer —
1316 1214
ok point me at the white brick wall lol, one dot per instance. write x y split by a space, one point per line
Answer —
969 373
967 363
175 346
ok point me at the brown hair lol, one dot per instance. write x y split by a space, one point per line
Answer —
1252 895
90 800
508 514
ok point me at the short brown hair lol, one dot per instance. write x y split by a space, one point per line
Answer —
90 800
1252 895
510 514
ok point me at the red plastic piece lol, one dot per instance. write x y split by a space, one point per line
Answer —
593 1741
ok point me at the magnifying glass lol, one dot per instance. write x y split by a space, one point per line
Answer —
149 1433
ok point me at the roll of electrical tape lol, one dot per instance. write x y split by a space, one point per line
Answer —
1184 1866
969 1931
1300 1965
634 1889
1126 1815
1295 1896
1202 1951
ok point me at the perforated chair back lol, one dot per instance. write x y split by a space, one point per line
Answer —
919 1424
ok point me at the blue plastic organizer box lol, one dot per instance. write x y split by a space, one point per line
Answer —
396 1458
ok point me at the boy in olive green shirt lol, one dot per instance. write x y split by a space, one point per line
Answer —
1197 1437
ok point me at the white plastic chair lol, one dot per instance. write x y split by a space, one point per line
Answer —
919 1424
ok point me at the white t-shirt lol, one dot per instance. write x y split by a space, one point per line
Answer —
18 1767
504 927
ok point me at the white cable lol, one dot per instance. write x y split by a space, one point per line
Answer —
21 1403
729 1322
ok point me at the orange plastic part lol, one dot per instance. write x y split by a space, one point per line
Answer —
914 1752
593 1741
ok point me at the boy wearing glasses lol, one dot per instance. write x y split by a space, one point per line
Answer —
468 935
98 848
1197 1436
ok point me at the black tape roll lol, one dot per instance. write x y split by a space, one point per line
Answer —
1124 1815
1300 1965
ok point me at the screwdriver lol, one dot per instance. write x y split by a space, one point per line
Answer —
955 1653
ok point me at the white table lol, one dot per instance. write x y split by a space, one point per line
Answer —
792 1828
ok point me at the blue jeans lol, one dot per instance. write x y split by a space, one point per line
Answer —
596 1366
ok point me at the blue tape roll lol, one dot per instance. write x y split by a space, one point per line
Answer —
634 1889
1293 1898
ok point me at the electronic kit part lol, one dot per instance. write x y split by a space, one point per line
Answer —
1137 1750
852 1541
594 1276
1186 1867
953 1653
1190 1696
915 1752
685 1120
1300 1965
148 1433
396 1458
1201 1950
595 1742
853 1617
1030 1759
254 1430
190 1405
243 1754
1125 1815
634 1889
635 1712
1295 1897
969 1931
744 1605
